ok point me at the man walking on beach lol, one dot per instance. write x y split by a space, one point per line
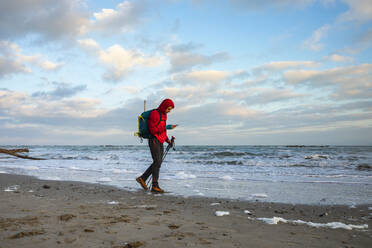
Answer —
158 135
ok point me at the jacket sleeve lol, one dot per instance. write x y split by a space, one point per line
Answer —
154 119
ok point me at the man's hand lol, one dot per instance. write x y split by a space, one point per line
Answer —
171 142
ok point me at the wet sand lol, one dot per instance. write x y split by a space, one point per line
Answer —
39 213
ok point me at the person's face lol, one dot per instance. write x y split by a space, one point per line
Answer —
168 109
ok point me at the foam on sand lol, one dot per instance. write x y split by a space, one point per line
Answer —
334 225
183 175
116 171
222 213
53 178
227 178
259 195
12 188
146 206
104 180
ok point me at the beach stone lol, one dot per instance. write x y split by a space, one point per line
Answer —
173 226
131 245
27 234
66 217
204 241
46 186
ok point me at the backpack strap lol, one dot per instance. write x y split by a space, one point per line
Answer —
159 117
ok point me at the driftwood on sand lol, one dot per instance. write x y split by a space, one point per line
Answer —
14 152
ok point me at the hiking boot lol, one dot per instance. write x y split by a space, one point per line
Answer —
156 189
142 183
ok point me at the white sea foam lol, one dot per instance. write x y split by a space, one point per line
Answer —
247 212
215 203
352 205
116 171
113 203
317 156
12 188
81 169
273 220
369 208
183 175
259 195
31 168
55 178
222 213
227 178
2 172
104 179
145 206
334 225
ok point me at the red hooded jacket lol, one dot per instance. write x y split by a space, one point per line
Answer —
156 128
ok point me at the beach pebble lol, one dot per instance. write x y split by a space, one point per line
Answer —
27 234
66 217
135 244
247 212
173 226
323 214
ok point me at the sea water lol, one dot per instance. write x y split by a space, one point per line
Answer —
307 175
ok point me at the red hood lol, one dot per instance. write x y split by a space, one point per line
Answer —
165 104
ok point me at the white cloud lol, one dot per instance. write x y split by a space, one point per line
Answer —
119 61
90 45
19 104
130 89
338 58
38 60
359 10
350 82
48 19
259 4
12 61
259 95
60 90
197 86
208 76
363 42
183 57
313 42
124 18
283 65
239 111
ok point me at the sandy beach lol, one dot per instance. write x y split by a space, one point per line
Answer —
39 213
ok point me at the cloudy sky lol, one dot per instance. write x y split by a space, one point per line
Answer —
240 72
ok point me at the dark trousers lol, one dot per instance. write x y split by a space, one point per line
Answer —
157 151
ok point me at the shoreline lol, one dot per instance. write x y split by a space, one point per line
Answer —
42 213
